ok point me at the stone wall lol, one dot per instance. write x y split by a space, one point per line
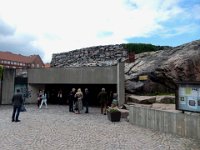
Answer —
92 56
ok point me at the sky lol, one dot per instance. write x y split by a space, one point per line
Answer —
45 27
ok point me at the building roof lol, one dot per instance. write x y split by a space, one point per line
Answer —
47 65
18 57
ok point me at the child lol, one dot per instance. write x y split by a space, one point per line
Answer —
114 101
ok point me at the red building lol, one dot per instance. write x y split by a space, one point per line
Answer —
11 60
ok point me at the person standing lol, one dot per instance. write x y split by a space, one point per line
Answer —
110 99
79 103
86 100
17 101
103 99
72 99
44 100
60 96
39 98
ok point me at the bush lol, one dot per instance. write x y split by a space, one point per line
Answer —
111 110
1 71
139 47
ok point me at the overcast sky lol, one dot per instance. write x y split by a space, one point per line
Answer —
45 27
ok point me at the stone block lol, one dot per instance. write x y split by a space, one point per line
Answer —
124 113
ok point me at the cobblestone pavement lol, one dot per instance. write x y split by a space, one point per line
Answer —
55 128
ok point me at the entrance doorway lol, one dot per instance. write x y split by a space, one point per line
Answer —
53 89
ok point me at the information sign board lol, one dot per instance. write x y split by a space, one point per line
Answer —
188 96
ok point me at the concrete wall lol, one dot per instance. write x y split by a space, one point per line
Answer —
8 85
84 75
186 125
34 91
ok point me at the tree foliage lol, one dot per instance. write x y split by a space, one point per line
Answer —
1 71
139 47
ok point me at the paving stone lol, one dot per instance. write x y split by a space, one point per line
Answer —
55 128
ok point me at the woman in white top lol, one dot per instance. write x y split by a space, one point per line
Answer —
79 103
44 100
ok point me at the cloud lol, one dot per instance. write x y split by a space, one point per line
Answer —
185 22
17 43
5 29
48 27
104 34
20 45
180 30
196 11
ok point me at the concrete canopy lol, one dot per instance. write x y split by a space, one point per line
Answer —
37 78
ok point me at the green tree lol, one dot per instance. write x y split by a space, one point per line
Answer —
1 71
139 47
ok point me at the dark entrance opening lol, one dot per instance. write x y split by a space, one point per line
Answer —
53 89
21 83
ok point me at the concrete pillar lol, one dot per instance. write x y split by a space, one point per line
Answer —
0 91
120 83
8 85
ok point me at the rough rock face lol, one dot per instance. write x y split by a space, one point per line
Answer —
92 56
164 68
167 99
141 99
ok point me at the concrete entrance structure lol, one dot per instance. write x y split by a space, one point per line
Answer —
38 78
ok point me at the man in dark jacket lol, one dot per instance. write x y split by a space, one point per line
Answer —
86 99
72 99
103 99
17 101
